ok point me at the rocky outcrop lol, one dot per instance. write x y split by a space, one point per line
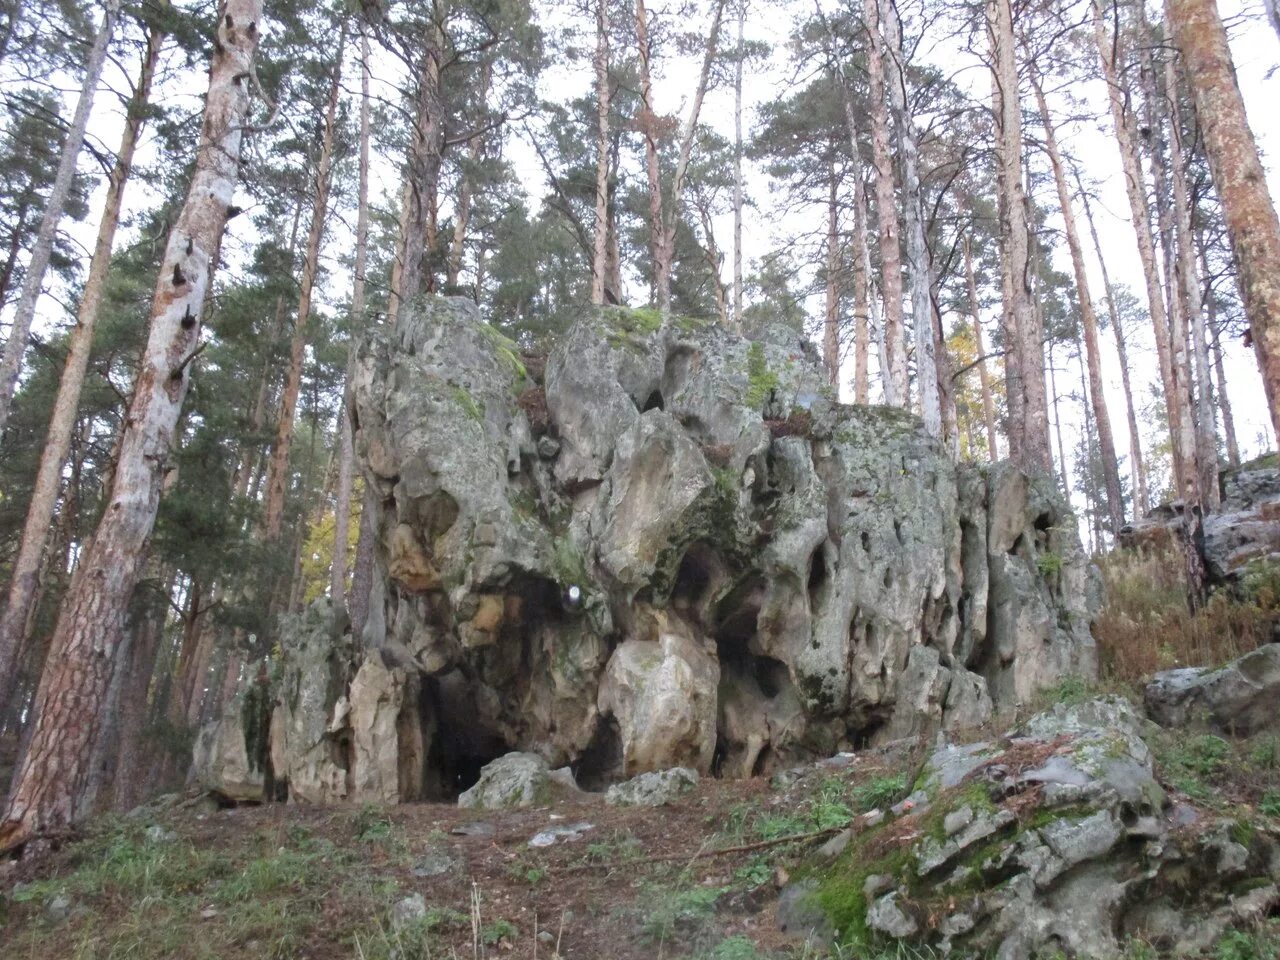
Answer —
676 550
1239 698
1245 529
1056 840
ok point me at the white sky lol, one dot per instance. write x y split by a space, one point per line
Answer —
1256 49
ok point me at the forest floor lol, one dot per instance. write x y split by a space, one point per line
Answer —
284 880
697 880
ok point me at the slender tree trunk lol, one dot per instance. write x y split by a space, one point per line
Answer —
737 169
1093 352
1273 14
132 768
600 249
1024 336
895 377
653 172
62 422
1224 403
984 377
278 471
16 236
33 280
711 253
1201 413
1141 502
1247 206
49 784
919 269
346 441
831 313
1108 51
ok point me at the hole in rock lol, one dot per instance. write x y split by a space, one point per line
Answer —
866 541
737 615
699 572
817 572
654 402
601 762
461 745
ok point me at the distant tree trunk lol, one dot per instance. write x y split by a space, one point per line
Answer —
132 773
831 312
984 378
711 253
26 565
49 784
1024 337
278 471
1141 216
1273 14
896 391
1247 206
41 251
737 169
1093 352
1201 411
648 123
346 441
1141 502
1224 403
600 250
16 236
919 269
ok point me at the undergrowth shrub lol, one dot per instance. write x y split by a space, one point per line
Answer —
1146 624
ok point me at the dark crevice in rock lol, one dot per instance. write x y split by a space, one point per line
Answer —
601 762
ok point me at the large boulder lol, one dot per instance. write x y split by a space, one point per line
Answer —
1240 698
232 756
673 549
1054 840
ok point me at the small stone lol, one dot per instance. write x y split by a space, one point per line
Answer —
473 830
433 863
916 803
886 916
554 834
653 789
957 820
407 911
158 834
548 447
546 936
876 884
208 913
58 907
836 845
781 877
872 818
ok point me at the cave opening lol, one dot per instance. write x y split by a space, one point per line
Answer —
458 747
601 763
655 402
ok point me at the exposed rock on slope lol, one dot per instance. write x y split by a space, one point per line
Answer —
695 558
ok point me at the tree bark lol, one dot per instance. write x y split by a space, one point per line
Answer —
278 471
1024 337
984 377
1089 318
1141 503
1140 213
1247 206
831 312
895 376
1201 412
26 565
919 269
41 251
49 784
346 440
600 248
737 169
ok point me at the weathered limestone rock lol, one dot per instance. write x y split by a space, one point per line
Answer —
674 549
309 723
515 780
1055 839
1240 698
232 754
655 789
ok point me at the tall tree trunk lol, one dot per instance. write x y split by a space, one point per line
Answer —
33 280
62 421
278 471
1224 403
737 169
48 785
1024 337
1141 502
1093 352
1122 122
132 768
919 269
895 376
1247 206
1201 401
346 441
653 172
984 377
600 248
16 236
831 312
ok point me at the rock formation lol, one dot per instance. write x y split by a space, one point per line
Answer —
672 549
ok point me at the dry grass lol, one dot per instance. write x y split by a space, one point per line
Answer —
1146 624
